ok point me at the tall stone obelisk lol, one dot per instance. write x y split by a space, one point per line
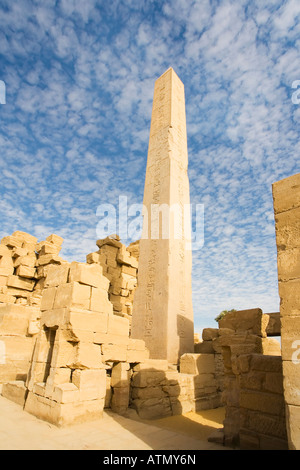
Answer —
162 308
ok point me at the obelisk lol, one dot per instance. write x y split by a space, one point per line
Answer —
162 308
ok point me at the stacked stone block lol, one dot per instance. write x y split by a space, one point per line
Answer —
261 401
120 265
286 197
83 351
159 390
245 333
23 266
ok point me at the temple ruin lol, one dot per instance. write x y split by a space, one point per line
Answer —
116 332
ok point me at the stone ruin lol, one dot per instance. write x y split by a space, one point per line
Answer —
75 339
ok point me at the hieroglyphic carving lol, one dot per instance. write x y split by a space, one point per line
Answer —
162 311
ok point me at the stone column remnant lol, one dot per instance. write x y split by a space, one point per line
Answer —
162 309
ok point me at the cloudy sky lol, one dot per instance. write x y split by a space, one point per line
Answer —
79 77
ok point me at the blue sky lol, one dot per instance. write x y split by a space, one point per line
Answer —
74 130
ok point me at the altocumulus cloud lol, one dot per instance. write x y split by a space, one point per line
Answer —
74 130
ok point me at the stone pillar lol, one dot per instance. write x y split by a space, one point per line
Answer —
162 309
286 196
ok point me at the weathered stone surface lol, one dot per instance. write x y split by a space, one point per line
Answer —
209 334
197 364
252 321
15 391
286 194
164 283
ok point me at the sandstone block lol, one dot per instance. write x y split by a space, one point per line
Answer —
89 274
28 260
107 338
263 402
109 241
99 301
14 319
73 294
290 334
286 194
204 347
25 271
152 364
15 391
118 325
47 248
274 325
11 242
91 383
114 352
55 239
288 263
47 259
120 375
3 280
16 252
128 270
289 297
5 251
20 283
25 237
136 344
93 258
7 299
120 399
87 355
48 298
6 262
54 317
149 378
6 271
252 321
153 408
197 364
209 334
63 414
271 347
56 275
133 356
66 393
293 426
291 382
123 257
80 320
288 229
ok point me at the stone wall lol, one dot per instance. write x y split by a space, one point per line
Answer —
159 390
286 196
261 402
253 394
23 266
120 265
82 351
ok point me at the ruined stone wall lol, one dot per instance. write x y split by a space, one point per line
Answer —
23 266
253 393
286 197
159 390
120 266
79 357
82 350
261 402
